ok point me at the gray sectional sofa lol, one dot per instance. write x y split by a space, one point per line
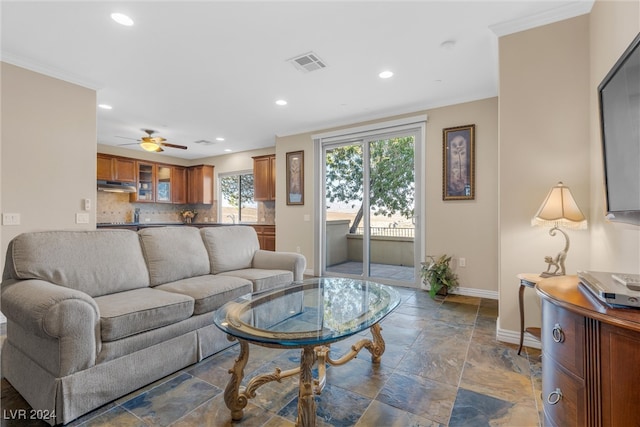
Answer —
94 315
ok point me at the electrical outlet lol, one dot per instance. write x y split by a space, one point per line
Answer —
462 262
298 249
87 204
11 219
82 218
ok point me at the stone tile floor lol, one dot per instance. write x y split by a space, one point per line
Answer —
442 367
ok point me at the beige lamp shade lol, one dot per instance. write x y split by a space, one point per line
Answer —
560 209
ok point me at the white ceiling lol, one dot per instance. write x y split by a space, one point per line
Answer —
200 70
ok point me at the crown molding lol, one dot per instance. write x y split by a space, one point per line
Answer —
570 10
50 71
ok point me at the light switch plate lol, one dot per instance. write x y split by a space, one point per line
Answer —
11 219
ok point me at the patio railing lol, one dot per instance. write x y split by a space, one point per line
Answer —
389 231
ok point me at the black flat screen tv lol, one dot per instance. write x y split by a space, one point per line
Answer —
619 99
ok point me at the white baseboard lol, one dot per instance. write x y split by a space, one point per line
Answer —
513 337
472 292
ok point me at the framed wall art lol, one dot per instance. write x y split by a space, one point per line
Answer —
458 163
295 178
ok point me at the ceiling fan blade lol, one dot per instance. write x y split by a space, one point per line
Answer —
166 144
133 143
126 137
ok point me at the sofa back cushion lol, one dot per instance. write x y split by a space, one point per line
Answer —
94 262
173 253
230 247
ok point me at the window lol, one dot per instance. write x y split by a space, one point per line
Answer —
236 198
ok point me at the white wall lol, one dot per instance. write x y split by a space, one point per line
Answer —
48 152
459 228
549 131
544 138
616 246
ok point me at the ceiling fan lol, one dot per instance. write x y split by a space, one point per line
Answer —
155 143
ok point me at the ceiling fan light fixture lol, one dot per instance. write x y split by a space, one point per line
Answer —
149 146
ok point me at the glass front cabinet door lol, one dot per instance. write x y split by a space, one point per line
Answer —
163 180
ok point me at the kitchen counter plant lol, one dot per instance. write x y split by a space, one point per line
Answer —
438 276
188 215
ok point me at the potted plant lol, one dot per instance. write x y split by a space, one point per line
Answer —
188 215
437 274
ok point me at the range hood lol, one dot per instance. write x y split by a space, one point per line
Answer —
116 187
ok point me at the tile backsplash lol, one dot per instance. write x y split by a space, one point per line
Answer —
116 207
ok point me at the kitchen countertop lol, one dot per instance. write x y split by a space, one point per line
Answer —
164 224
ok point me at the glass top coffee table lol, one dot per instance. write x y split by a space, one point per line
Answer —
309 315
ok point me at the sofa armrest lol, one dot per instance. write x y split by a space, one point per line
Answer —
61 318
291 261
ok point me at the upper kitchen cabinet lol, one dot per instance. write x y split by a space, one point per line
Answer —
264 177
200 184
114 168
164 187
179 184
146 182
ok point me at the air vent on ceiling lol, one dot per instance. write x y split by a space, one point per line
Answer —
308 62
204 142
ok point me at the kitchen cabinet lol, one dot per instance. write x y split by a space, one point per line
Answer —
590 359
179 184
145 183
200 184
114 168
164 187
266 236
159 182
264 177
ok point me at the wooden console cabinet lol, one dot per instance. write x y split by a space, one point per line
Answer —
591 358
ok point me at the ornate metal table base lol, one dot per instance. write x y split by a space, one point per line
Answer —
237 397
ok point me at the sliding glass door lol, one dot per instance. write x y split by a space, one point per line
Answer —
369 206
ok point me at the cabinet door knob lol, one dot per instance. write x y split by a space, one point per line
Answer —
554 397
557 334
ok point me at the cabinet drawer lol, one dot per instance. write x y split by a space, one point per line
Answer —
563 395
563 337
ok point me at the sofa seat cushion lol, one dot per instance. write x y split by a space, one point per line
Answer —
209 291
173 253
128 313
263 279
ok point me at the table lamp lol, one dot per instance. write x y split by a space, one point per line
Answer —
559 209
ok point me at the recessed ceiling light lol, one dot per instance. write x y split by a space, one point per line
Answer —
448 44
122 19
228 150
105 106
219 138
281 102
385 74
